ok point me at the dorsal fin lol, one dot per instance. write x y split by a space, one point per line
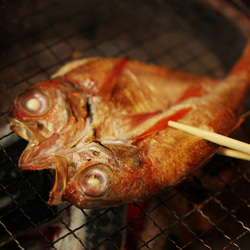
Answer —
111 79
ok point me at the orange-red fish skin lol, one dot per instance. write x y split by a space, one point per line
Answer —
91 106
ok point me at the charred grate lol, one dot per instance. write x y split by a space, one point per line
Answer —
208 211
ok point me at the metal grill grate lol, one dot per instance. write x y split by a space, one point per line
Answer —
208 211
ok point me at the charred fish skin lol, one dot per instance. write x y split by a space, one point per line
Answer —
101 123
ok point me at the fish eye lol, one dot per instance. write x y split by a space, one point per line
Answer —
94 181
35 103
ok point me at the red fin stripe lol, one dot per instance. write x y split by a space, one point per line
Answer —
111 79
137 119
162 124
191 92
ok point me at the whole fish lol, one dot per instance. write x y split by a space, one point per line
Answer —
102 125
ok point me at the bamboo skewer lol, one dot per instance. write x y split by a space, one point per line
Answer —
233 153
242 147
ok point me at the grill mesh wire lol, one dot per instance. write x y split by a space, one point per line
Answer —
208 211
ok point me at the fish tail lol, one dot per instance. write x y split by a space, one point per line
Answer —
243 65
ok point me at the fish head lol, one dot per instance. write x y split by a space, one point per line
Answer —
32 111
109 176
44 115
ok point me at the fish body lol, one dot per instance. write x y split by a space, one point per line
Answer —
101 124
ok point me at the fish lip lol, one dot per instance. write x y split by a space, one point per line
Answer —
20 129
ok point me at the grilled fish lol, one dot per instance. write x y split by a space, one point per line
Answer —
102 125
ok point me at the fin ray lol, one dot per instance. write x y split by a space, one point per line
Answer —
162 124
111 79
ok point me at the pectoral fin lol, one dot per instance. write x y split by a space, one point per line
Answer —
162 124
190 92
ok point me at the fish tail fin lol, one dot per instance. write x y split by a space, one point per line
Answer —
243 65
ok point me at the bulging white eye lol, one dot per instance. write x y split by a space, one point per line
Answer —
35 103
94 181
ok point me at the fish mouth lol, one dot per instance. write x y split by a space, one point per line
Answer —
20 129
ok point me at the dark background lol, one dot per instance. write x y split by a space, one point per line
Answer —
208 211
